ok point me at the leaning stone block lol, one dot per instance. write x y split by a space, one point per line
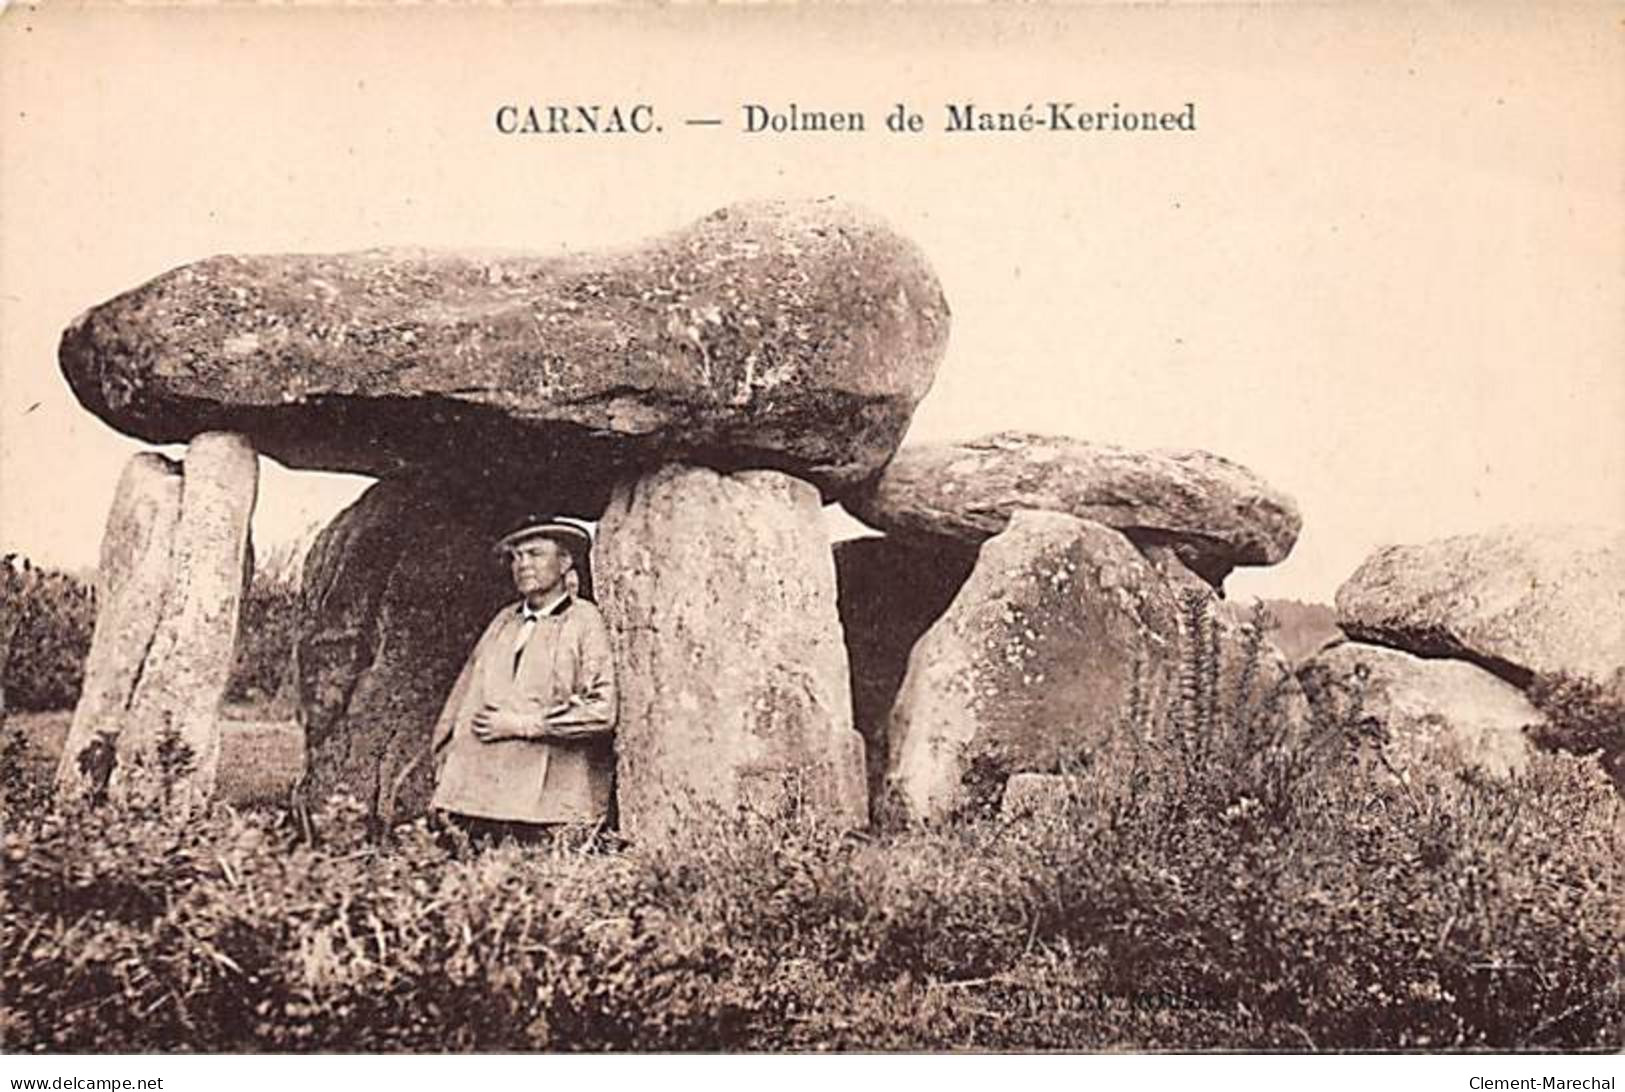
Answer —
132 592
184 678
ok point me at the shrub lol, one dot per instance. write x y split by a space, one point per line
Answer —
42 665
1340 913
25 790
1582 718
266 626
54 614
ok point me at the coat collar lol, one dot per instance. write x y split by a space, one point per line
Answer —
526 614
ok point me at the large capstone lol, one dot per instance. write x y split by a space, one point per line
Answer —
1062 648
1421 718
396 591
132 590
1214 514
719 591
1519 601
183 677
795 336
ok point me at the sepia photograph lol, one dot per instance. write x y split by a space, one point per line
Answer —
773 529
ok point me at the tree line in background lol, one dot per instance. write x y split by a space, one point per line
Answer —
47 617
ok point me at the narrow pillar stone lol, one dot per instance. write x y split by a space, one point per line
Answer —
132 584
719 590
184 679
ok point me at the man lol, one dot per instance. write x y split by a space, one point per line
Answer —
525 741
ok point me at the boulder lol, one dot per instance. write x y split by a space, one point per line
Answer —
1213 513
889 592
183 678
1063 646
1519 601
1422 716
132 586
719 592
796 336
395 593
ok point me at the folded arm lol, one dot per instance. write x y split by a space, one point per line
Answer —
588 713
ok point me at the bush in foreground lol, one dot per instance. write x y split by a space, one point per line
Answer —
1583 717
1279 899
1473 918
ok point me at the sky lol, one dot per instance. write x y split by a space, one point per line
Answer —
1386 272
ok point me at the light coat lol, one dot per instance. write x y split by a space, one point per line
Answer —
567 658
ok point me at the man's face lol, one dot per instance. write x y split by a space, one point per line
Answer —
538 565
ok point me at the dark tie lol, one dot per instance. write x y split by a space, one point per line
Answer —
527 626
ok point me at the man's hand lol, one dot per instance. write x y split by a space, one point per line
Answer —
494 723
563 707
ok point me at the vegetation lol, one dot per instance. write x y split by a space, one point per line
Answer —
46 617
266 630
260 760
1582 718
54 613
1302 629
1252 889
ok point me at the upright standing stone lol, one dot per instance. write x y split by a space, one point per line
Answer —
719 590
1062 645
132 587
184 680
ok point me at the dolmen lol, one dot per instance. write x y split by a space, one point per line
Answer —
701 396
1029 593
1448 639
